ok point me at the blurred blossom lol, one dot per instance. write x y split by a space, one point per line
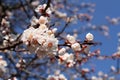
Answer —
43 20
56 77
113 68
85 70
112 78
3 65
118 34
14 78
94 78
35 3
100 73
60 14
41 8
114 21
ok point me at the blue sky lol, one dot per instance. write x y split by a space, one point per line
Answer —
107 8
109 44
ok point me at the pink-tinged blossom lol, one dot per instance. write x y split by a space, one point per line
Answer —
76 46
3 65
2 62
43 20
40 40
62 51
71 39
56 77
67 59
41 8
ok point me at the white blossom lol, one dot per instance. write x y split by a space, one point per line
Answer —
54 30
14 78
62 51
67 59
60 14
89 36
3 65
27 35
94 78
71 39
52 77
85 70
40 8
34 21
76 46
113 68
100 73
43 20
56 77
3 62
62 77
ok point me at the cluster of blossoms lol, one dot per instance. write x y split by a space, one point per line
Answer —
57 76
66 58
103 76
40 40
3 65
69 58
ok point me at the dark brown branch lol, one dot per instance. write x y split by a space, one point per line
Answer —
11 46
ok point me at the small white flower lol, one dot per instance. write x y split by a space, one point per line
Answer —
100 73
85 70
60 14
54 30
94 78
62 51
27 34
52 77
14 78
43 27
70 63
71 39
57 72
114 21
3 63
41 8
113 68
43 20
89 36
56 77
118 34
76 47
34 21
62 77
